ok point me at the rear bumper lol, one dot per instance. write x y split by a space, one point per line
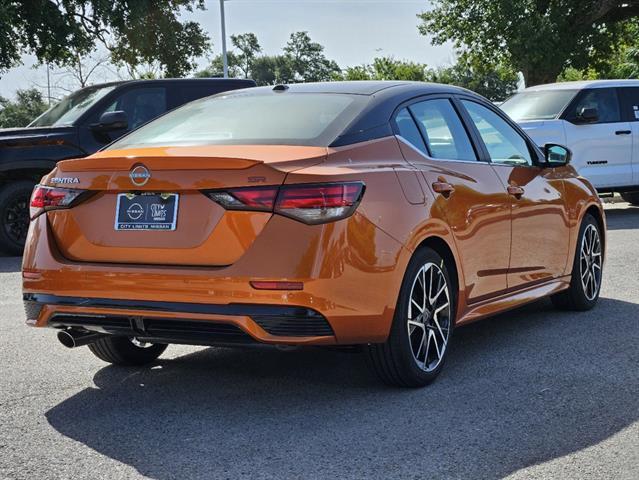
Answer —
351 272
188 323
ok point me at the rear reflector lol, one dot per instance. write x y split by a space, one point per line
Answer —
31 275
308 203
277 285
51 198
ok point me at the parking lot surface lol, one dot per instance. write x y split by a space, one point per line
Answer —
535 393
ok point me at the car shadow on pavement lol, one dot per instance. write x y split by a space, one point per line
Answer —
10 264
622 218
519 389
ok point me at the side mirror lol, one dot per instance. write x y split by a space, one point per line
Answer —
112 121
588 115
556 155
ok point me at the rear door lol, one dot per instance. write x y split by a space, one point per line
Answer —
630 112
540 227
602 150
467 191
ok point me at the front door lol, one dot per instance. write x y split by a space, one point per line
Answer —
602 149
540 228
468 194
141 104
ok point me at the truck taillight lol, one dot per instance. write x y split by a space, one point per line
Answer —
308 203
50 198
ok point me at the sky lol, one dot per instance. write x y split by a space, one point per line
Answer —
353 32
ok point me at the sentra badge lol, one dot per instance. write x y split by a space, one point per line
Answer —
139 175
65 180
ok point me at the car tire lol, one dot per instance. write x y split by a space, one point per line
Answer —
124 351
14 215
587 270
405 359
631 197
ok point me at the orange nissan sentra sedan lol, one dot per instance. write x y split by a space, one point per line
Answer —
371 214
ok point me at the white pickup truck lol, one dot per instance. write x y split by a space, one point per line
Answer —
597 120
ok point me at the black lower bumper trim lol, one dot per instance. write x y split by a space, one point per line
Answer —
157 330
278 320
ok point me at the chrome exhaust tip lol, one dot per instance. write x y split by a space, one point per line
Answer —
72 339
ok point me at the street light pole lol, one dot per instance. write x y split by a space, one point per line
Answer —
224 56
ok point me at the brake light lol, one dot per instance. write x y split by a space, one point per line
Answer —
51 198
315 204
308 203
252 198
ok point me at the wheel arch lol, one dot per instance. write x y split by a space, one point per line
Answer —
597 213
442 247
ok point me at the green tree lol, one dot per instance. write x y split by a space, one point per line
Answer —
272 70
308 62
540 38
28 105
387 68
358 72
248 48
495 82
136 32
240 62
302 61
623 63
216 67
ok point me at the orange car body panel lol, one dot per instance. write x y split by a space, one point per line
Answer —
351 269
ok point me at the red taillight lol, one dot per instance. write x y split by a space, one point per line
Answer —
309 203
252 198
51 198
319 203
319 196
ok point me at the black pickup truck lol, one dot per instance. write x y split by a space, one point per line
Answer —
80 125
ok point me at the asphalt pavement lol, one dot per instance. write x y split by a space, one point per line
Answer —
534 393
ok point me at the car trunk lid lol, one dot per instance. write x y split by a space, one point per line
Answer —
204 233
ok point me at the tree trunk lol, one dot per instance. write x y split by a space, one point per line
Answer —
535 76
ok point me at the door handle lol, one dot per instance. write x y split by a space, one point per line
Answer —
444 188
623 132
515 191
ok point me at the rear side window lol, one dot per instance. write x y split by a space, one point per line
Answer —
504 144
629 104
604 100
409 131
446 137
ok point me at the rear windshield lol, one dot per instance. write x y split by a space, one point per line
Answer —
313 119
537 105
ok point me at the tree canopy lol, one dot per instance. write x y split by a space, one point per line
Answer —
136 32
301 60
387 68
28 105
540 38
495 82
